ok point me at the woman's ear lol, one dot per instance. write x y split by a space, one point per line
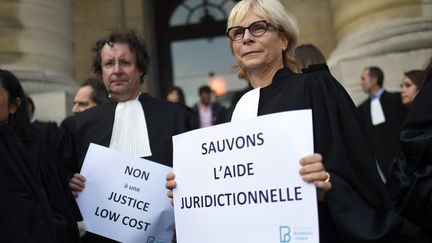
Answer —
285 42
15 105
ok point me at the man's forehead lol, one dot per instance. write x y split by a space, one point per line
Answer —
116 49
365 72
84 91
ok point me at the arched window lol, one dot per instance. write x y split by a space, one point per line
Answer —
196 11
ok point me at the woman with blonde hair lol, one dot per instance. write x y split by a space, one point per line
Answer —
353 205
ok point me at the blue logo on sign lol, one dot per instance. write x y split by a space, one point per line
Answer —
151 239
284 234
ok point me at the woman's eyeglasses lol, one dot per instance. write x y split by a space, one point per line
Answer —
256 29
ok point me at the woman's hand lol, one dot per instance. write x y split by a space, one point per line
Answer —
313 171
170 185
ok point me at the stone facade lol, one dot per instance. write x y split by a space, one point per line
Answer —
395 35
36 45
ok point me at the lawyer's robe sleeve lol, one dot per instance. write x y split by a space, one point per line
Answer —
64 147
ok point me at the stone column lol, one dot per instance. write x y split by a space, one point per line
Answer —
395 35
315 20
36 45
143 20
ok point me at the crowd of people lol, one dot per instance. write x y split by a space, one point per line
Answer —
371 164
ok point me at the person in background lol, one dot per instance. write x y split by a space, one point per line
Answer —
306 55
175 95
36 205
412 83
206 111
382 115
91 93
46 130
411 182
353 203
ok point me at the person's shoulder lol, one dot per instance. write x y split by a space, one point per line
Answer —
5 130
394 98
195 107
95 114
45 124
97 111
318 76
158 103
225 115
161 107
316 72
218 105
316 68
318 80
392 94
364 104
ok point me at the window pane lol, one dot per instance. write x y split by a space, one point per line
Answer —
193 60
218 9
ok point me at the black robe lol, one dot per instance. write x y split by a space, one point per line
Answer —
45 130
25 210
36 203
357 208
163 119
384 137
411 181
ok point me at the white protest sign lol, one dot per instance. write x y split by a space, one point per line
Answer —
240 182
125 197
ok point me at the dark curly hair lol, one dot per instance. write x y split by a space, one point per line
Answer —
124 36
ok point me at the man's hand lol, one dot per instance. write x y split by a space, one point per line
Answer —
170 185
77 184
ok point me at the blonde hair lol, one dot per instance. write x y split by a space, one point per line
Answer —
274 12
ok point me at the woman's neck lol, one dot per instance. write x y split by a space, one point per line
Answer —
262 77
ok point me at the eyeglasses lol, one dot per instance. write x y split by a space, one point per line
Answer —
256 29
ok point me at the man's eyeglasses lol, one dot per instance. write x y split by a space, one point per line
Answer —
256 29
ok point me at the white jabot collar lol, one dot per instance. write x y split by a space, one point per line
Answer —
247 106
377 113
129 134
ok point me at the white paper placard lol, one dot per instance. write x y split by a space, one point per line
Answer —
125 197
240 182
